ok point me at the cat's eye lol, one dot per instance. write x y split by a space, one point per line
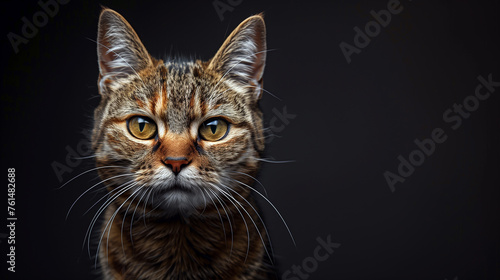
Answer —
214 129
141 127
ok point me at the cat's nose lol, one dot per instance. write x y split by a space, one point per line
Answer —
176 163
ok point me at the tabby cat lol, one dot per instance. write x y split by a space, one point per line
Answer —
177 145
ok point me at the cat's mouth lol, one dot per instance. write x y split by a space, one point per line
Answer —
177 188
179 199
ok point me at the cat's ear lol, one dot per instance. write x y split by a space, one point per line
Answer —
120 51
242 57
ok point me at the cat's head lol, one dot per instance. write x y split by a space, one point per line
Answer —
184 131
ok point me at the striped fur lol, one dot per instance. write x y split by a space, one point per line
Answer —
203 222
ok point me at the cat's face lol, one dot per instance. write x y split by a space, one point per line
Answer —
183 132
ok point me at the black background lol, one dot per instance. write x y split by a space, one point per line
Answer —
351 123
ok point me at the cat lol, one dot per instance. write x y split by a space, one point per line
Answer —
178 144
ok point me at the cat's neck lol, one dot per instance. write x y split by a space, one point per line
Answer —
213 244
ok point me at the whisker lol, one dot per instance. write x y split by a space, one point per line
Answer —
110 178
270 93
133 214
275 209
125 188
107 195
229 196
94 220
109 229
228 219
274 161
153 202
255 179
218 212
146 204
131 221
205 200
255 225
84 157
85 172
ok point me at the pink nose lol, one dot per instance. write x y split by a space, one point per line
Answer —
176 163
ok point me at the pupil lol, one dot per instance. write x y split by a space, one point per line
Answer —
142 124
213 128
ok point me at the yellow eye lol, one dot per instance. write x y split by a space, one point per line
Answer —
141 127
213 129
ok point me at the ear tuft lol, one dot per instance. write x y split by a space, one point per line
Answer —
119 49
242 57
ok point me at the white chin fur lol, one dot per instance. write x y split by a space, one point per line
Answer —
178 195
179 202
